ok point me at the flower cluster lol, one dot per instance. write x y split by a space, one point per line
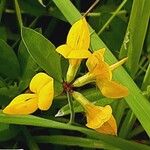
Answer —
76 48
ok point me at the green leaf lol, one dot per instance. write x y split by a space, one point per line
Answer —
136 101
113 141
43 52
28 67
9 65
74 141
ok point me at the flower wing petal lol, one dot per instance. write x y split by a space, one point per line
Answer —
79 36
64 50
111 89
45 96
22 104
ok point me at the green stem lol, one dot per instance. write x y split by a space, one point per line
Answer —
31 26
112 17
97 14
18 12
72 114
93 5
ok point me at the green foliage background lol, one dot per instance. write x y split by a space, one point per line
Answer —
28 32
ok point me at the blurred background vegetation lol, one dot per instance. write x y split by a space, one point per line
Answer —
46 18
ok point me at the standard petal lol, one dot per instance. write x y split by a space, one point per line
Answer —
95 59
102 71
79 36
64 50
111 89
97 116
22 104
38 81
109 127
45 96
79 54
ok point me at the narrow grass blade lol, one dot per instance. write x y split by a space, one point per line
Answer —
135 34
146 80
74 141
116 142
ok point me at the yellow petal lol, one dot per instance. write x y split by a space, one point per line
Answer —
95 59
64 50
79 54
102 71
111 89
22 104
96 115
45 96
79 36
119 63
38 81
109 127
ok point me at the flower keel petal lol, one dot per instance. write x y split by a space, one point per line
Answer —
22 104
109 127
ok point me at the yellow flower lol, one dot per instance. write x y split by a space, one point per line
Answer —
98 118
76 47
43 86
43 91
101 73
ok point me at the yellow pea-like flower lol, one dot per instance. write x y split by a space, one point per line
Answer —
43 86
98 118
76 47
43 92
101 73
